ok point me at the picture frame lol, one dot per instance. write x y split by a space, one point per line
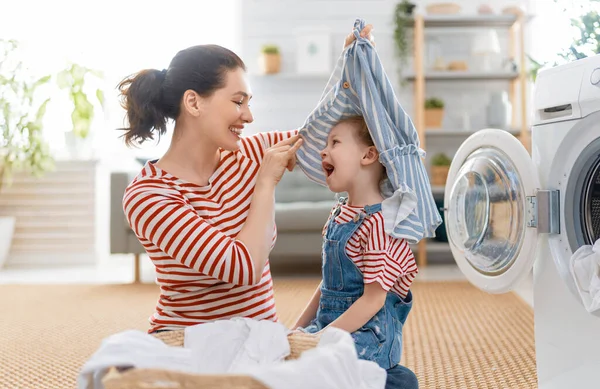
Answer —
314 51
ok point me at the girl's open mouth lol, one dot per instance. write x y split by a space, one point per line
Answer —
328 168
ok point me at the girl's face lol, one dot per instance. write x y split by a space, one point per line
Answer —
222 116
342 157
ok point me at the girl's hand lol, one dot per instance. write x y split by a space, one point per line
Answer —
366 32
277 158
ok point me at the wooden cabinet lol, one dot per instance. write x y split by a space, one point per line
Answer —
56 215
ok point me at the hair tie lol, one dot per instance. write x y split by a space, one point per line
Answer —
163 73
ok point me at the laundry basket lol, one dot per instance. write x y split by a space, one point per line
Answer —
163 379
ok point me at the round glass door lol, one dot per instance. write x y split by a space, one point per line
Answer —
487 211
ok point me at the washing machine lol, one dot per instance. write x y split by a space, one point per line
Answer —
509 213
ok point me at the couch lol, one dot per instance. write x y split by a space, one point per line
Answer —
301 210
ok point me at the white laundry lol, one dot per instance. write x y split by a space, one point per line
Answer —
585 269
396 207
333 364
240 346
132 348
236 343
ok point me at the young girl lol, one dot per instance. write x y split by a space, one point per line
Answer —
366 273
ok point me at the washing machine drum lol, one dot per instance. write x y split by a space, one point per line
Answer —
590 204
582 198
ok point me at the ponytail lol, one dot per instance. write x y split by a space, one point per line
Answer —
141 97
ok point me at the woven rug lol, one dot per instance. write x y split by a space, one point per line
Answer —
456 336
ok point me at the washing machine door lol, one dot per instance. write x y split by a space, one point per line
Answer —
489 206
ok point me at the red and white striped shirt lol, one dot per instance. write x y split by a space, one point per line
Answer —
380 257
189 232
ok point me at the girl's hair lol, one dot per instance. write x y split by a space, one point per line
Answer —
364 136
362 130
151 97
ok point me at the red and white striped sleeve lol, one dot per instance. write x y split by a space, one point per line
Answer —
254 146
387 260
160 216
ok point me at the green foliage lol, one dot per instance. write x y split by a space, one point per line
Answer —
402 15
434 103
585 44
73 79
22 145
535 67
270 49
440 159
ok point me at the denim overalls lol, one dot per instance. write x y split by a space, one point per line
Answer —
380 339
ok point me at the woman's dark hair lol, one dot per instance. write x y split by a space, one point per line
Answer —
151 97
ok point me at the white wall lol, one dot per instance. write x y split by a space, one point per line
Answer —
284 102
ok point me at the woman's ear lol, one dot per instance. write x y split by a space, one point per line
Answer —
370 156
192 103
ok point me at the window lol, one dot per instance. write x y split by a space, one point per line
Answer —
117 38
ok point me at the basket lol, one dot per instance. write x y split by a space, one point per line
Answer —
439 175
270 63
443 9
161 379
434 117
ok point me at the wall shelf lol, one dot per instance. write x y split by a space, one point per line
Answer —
466 21
459 133
464 76
434 246
438 190
291 76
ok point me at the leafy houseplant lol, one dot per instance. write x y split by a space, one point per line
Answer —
74 79
22 146
434 112
440 166
270 59
402 15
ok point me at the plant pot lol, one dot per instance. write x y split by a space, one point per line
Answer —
270 63
434 117
439 174
7 228
78 148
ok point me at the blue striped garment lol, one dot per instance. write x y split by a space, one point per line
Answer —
360 86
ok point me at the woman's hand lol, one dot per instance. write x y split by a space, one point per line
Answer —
277 158
366 32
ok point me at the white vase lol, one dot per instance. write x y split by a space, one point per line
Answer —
7 228
499 111
77 147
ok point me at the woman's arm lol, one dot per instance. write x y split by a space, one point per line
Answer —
363 309
310 311
160 216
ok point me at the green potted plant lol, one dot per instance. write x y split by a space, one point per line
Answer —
74 79
270 59
402 15
22 146
440 166
434 112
